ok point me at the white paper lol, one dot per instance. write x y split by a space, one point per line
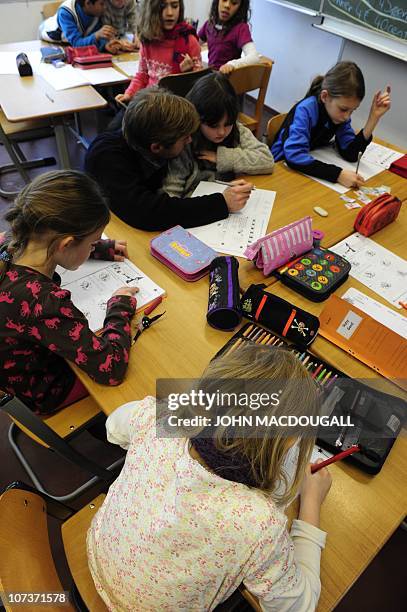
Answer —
385 315
129 68
376 267
103 76
66 77
93 283
375 159
234 234
204 56
8 64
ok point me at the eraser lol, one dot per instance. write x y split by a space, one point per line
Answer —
320 211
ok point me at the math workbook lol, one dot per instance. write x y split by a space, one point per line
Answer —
93 283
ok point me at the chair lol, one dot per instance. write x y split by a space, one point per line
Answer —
56 433
26 562
180 84
10 135
49 9
248 78
273 127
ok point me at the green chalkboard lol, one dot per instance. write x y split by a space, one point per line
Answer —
387 17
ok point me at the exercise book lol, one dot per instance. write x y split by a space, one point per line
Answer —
93 283
375 159
233 234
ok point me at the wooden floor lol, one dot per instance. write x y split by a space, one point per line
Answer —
382 587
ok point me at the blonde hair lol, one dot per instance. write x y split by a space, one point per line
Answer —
265 448
157 115
150 26
55 205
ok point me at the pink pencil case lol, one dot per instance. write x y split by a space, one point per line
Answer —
285 243
184 254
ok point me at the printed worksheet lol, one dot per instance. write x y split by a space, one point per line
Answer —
385 315
232 235
375 159
93 283
376 267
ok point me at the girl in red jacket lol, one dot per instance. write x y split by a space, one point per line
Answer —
169 45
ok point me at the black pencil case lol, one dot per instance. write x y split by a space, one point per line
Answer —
315 274
280 316
376 417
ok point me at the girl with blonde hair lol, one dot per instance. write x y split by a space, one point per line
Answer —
191 517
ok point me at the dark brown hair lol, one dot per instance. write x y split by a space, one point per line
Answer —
242 15
56 204
344 79
150 26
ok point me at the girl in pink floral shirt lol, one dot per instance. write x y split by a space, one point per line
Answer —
169 45
57 220
191 518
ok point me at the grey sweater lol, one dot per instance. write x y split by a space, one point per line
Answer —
250 157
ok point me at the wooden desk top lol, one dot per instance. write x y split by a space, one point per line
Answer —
361 512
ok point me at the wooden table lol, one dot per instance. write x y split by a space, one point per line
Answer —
32 98
361 512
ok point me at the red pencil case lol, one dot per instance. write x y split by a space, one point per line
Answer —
400 166
379 213
88 57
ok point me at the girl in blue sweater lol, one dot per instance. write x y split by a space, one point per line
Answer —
323 114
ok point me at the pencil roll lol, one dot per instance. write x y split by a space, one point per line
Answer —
224 296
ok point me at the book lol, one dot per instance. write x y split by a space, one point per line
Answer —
93 283
366 339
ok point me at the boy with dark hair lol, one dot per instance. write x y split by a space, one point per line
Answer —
130 164
78 22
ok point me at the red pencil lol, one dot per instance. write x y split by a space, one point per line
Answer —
318 466
153 305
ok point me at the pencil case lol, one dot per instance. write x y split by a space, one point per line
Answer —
400 166
224 294
316 274
280 246
375 418
379 213
278 315
88 57
183 253
50 54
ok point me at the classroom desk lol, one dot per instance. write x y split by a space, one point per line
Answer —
32 98
361 512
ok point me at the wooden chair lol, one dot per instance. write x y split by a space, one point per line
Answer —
180 84
273 127
56 433
249 78
10 135
49 9
26 562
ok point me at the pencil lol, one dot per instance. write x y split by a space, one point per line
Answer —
248 330
349 451
234 346
359 158
228 184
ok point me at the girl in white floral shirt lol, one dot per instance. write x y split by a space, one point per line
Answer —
189 519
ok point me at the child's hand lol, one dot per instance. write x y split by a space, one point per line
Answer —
120 250
237 195
226 69
209 156
123 98
187 63
126 291
381 103
105 31
113 46
314 489
348 178
127 46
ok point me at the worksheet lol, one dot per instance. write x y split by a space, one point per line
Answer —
376 267
129 68
375 159
234 234
93 283
385 315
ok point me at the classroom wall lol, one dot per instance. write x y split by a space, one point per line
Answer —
299 50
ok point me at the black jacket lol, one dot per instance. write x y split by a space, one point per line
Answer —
132 182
